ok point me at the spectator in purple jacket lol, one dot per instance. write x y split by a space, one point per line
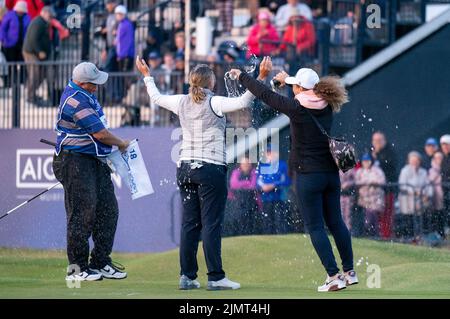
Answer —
125 51
244 195
12 31
124 39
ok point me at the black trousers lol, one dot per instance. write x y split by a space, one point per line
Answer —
203 195
319 199
91 208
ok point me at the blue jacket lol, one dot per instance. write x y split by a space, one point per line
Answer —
277 174
9 28
79 116
125 39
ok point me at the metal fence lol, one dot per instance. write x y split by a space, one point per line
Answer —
30 95
163 17
404 213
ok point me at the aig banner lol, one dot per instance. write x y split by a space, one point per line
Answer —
145 225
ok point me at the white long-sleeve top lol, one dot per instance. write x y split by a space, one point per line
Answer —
219 104
203 126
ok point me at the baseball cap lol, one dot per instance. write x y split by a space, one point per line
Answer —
306 78
366 157
232 52
21 6
431 141
121 9
154 55
87 72
445 139
263 15
50 10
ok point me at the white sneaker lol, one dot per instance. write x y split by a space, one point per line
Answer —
223 284
111 272
188 284
338 283
351 278
86 275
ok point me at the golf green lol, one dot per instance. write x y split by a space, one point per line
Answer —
266 267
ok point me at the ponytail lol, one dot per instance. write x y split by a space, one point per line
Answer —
197 94
199 78
331 89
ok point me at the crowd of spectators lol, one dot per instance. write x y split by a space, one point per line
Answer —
30 32
379 199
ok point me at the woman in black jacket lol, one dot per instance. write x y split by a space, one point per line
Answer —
317 176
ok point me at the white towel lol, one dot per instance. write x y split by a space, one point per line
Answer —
131 168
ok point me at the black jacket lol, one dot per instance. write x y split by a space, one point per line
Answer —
37 38
310 151
387 160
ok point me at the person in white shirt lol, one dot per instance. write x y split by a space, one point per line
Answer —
286 11
201 173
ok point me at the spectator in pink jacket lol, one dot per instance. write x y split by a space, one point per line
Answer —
434 217
260 32
244 194
370 180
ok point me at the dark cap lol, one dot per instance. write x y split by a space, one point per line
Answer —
154 55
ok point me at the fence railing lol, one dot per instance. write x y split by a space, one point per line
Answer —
398 212
30 95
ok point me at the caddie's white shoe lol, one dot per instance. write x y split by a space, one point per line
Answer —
87 275
351 278
223 284
333 284
111 271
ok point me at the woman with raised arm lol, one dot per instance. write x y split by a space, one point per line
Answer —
201 173
317 177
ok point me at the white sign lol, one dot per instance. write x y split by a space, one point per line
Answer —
34 168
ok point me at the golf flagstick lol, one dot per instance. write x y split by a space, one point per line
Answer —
27 201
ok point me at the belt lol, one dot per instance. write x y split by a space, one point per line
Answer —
194 161
70 152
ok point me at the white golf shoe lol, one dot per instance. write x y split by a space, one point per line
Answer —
333 284
188 284
351 278
223 284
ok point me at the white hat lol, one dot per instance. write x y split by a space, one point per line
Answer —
87 72
306 78
121 9
445 139
21 6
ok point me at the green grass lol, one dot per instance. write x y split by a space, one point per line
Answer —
266 266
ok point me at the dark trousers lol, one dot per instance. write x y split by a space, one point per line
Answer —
434 221
36 75
123 82
275 217
319 200
14 76
203 195
91 208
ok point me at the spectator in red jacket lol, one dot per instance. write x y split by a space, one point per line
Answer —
300 33
260 32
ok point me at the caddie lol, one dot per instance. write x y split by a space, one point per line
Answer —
82 144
